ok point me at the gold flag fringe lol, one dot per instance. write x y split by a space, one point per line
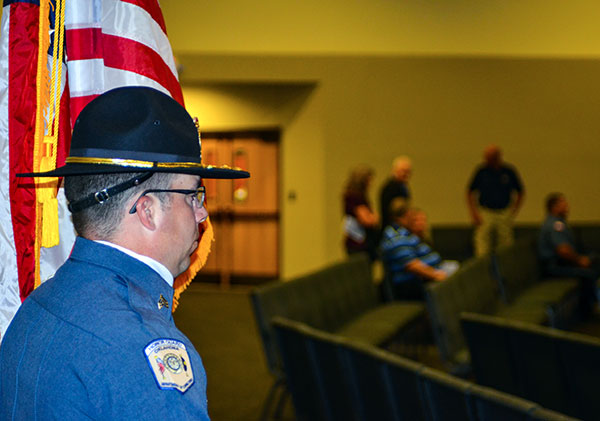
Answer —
46 136
198 260
48 92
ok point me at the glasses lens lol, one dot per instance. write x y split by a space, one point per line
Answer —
200 197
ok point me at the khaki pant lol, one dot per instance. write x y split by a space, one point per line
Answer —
498 221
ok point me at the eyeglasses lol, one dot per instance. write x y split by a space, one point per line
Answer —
198 196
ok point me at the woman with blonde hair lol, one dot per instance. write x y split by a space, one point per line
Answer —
360 221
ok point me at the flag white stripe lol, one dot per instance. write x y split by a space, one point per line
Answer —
9 284
127 20
52 258
123 20
91 77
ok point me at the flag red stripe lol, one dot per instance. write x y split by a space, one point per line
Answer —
79 102
135 57
153 9
22 70
84 44
122 53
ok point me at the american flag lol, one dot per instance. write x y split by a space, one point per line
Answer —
107 44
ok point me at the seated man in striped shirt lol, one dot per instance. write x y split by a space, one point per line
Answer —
409 261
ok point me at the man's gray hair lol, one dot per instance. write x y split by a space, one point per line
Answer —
100 221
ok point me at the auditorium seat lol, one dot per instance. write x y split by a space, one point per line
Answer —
307 395
367 373
447 396
558 370
522 286
491 353
580 355
492 405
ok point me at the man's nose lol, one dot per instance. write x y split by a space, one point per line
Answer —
200 214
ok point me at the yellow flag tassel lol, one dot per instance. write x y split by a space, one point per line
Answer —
198 260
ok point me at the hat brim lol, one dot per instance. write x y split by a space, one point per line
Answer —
207 171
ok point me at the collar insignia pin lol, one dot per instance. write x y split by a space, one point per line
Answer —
162 302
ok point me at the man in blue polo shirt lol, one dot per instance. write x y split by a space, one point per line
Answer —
558 252
409 262
494 197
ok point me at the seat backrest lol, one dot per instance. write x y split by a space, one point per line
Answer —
325 299
402 379
526 231
331 369
309 401
587 237
538 366
387 386
471 289
580 357
492 405
453 242
446 397
517 266
543 414
518 358
491 353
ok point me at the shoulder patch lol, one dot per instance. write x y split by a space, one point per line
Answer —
558 226
170 363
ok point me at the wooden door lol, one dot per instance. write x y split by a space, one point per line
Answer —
245 212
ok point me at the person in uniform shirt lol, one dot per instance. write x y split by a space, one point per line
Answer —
98 341
558 253
494 197
395 186
409 261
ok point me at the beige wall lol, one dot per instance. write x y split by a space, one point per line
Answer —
338 110
481 27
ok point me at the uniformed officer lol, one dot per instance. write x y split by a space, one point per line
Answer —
558 252
491 203
98 341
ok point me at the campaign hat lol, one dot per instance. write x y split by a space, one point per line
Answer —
136 129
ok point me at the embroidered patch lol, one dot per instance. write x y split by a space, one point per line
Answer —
558 226
170 364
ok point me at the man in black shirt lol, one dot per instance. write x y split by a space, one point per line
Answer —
494 197
395 186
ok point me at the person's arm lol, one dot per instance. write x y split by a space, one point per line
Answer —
419 268
518 187
472 205
567 253
365 216
518 203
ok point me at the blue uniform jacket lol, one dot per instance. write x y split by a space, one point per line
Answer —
75 349
554 232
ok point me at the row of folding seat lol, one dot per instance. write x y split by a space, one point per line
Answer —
554 368
508 284
333 378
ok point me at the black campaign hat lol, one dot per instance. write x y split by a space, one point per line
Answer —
135 130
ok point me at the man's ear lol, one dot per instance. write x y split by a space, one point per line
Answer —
145 209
